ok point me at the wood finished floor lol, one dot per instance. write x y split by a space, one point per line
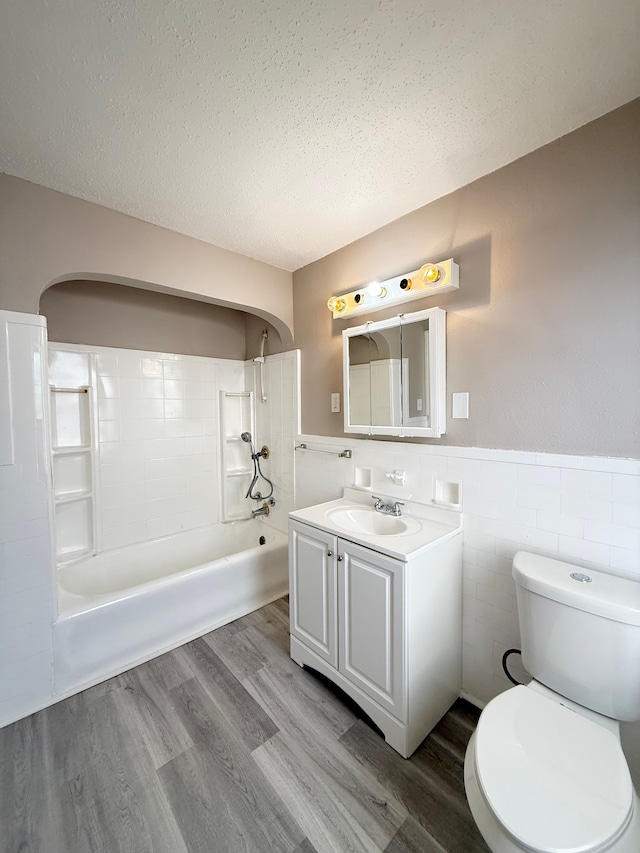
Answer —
227 745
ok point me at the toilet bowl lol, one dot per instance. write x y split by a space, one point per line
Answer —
541 777
544 770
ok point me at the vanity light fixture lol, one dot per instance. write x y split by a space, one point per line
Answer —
426 281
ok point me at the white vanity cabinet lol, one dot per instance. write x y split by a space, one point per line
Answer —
313 590
387 631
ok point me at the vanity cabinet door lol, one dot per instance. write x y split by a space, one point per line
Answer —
371 625
312 589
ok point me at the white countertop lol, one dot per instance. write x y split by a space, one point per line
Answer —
429 525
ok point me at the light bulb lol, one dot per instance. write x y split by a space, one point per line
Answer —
429 273
376 289
336 304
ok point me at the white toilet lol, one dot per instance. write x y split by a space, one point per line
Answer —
544 770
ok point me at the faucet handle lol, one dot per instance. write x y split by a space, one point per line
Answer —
396 507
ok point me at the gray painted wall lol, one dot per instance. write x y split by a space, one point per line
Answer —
544 332
112 315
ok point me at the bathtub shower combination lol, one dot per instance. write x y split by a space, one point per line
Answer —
128 605
121 606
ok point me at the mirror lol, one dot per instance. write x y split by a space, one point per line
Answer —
394 375
375 395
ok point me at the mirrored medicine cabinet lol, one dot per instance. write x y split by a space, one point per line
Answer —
395 375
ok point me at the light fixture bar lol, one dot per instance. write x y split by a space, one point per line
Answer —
426 281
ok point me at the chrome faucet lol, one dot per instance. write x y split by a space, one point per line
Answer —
264 509
388 509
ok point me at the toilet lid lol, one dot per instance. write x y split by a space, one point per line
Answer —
558 782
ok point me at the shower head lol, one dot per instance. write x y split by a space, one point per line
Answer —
246 436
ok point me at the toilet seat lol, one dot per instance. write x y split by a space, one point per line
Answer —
556 781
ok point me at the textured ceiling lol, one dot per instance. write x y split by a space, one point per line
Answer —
284 129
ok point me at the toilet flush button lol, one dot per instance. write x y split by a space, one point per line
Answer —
578 576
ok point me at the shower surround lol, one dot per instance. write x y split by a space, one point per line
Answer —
155 474
157 449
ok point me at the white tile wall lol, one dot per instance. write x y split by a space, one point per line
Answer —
26 561
578 509
158 442
277 424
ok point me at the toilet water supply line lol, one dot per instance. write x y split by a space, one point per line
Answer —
505 657
259 360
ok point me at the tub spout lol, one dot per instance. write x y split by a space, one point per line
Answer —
261 510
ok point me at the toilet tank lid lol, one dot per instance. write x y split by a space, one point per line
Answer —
604 595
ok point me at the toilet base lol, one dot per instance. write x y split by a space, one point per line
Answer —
494 833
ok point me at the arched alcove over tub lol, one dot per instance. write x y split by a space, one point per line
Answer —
151 549
104 313
49 237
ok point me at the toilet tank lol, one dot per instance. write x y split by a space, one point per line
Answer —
580 637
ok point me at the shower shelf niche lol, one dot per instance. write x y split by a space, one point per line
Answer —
73 455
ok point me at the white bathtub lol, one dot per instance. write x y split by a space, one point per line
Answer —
128 605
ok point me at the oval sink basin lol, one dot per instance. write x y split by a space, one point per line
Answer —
369 521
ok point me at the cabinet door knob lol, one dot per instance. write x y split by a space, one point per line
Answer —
329 553
339 558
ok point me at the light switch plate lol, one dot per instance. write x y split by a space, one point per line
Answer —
335 402
460 405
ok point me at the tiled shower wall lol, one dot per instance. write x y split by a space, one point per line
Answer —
583 510
159 444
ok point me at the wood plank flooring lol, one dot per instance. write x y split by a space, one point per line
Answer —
225 744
